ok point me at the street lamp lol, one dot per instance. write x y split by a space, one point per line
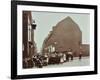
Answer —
33 25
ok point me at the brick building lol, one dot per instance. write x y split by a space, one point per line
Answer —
66 34
28 38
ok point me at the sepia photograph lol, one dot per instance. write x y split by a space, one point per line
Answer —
53 39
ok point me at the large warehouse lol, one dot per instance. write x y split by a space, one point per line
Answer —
66 34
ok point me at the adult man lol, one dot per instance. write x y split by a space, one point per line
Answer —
80 55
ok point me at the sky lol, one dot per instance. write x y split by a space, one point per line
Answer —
46 20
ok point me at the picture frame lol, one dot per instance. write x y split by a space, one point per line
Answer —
17 10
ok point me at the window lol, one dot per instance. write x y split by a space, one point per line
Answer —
29 30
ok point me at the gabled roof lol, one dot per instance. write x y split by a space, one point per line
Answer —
68 22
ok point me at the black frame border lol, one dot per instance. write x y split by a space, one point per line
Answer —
14 39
